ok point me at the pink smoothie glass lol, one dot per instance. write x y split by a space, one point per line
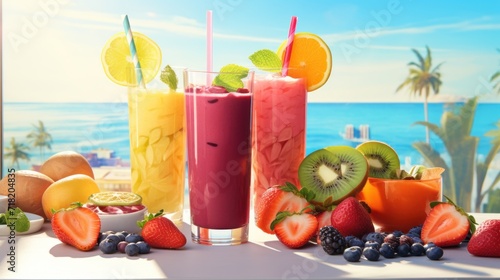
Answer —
278 131
219 157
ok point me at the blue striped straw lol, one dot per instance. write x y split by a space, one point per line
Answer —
133 51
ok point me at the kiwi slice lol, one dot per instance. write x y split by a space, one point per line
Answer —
383 161
333 174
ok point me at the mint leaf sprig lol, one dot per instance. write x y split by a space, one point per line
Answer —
21 221
230 77
169 77
266 60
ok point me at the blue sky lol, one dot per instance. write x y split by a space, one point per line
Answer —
52 47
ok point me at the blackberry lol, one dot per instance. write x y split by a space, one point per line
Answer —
332 241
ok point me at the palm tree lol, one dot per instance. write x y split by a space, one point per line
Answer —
17 151
421 79
461 146
40 138
495 79
482 169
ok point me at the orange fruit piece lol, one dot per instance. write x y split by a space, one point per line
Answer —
310 59
431 173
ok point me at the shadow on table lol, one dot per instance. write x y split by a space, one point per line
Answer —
250 261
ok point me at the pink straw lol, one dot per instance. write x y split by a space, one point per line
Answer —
209 41
289 45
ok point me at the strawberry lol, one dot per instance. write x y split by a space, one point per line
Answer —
295 230
485 242
351 218
160 232
276 199
324 219
446 224
77 226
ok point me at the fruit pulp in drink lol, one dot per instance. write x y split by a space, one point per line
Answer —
219 154
278 132
400 204
157 149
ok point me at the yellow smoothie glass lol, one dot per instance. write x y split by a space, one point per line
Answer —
157 148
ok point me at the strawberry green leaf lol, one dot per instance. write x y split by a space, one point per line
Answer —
149 217
280 216
289 187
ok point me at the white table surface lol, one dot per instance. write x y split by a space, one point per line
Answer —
42 256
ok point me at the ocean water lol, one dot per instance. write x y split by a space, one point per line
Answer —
83 127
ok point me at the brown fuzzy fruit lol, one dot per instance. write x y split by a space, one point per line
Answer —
26 188
66 163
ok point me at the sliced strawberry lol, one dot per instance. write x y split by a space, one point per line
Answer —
274 200
295 230
324 219
446 225
485 242
77 226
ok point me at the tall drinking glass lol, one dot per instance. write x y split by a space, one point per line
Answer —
219 155
157 147
278 131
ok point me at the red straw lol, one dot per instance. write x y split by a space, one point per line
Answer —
289 45
209 41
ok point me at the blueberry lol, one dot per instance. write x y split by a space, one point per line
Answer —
352 254
108 246
113 237
375 236
371 254
121 236
121 246
417 249
403 250
415 230
354 241
144 247
133 238
429 245
397 233
387 251
132 249
125 233
434 253
417 239
372 244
